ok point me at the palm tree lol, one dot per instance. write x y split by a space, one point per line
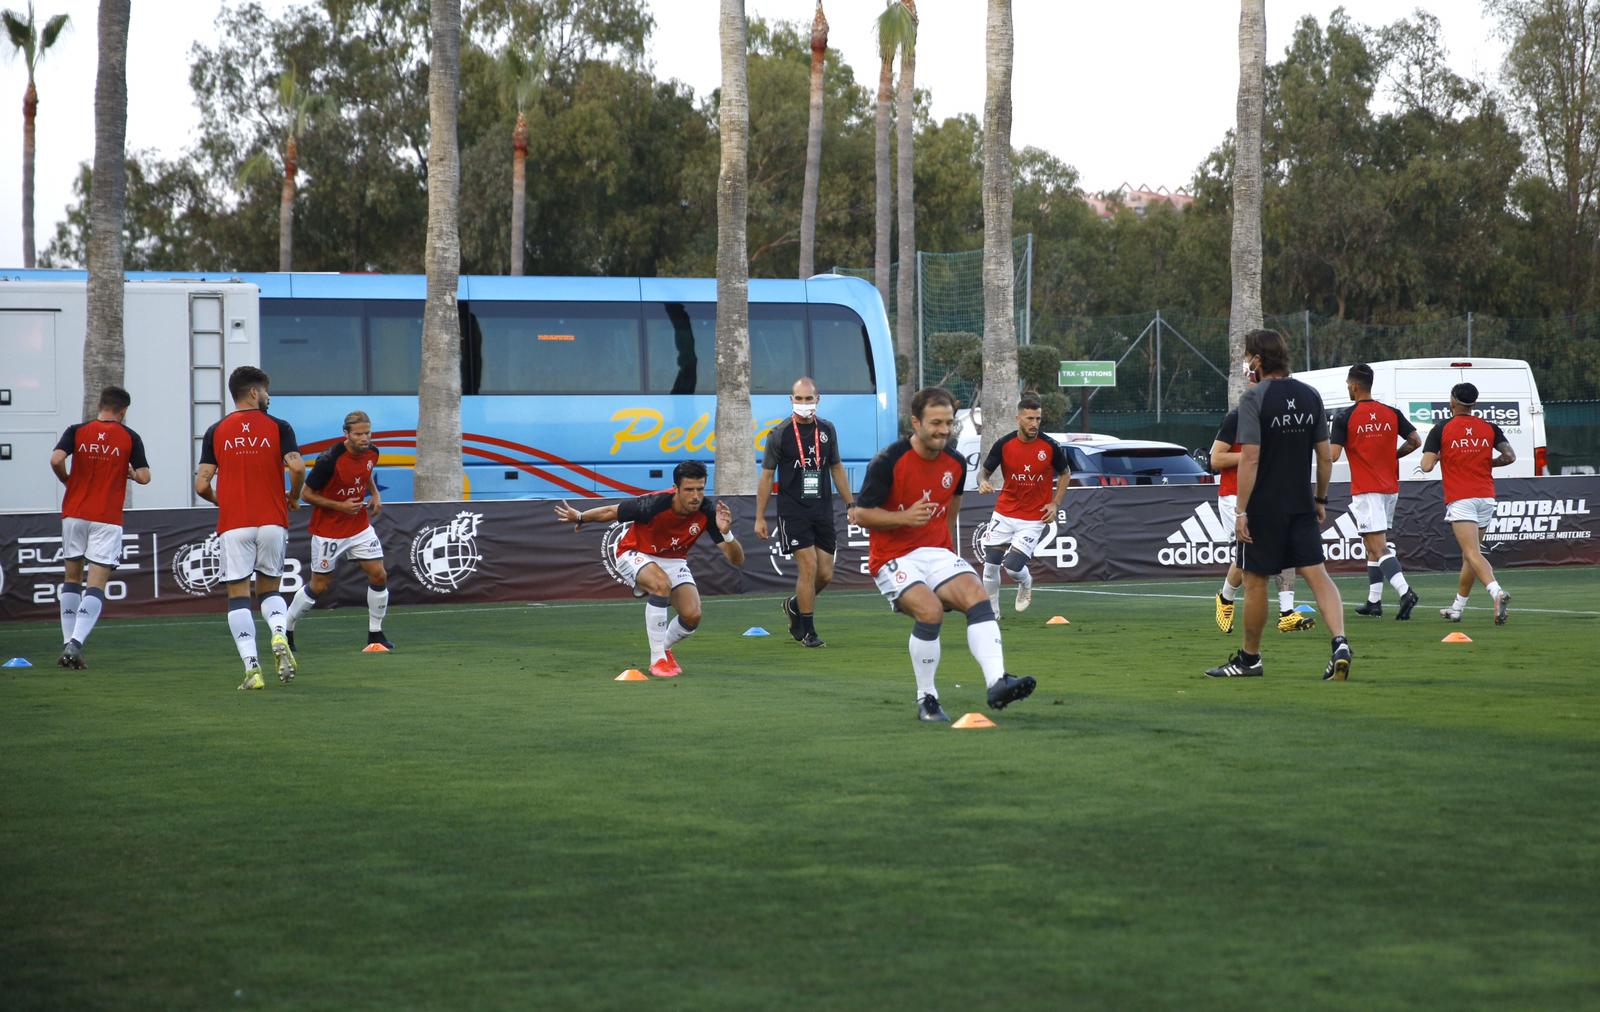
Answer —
1246 246
439 472
894 25
999 331
527 74
300 108
735 450
808 200
905 302
102 342
32 43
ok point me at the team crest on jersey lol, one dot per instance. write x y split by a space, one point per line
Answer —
823 435
1042 454
197 566
948 479
694 529
444 556
369 465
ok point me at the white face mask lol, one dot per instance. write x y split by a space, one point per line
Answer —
805 410
1244 367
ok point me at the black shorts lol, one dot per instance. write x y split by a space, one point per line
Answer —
1280 542
806 530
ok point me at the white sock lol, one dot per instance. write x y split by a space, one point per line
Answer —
275 612
71 597
991 581
1228 590
676 632
302 603
1460 605
243 626
655 627
377 607
88 615
983 639
925 665
1374 582
1285 600
1397 579
1023 576
1494 588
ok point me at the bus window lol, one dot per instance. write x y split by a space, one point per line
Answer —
394 343
558 347
313 346
777 347
681 344
841 354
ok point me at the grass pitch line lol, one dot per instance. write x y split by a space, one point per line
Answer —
1348 604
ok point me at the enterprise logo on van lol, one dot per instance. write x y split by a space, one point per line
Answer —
1501 413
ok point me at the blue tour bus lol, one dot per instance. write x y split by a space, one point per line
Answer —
571 387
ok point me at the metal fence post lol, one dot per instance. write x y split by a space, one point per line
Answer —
1307 313
1027 296
921 337
1158 367
1469 333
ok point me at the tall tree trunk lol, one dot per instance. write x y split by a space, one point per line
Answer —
1245 315
519 191
30 112
291 168
808 200
906 335
439 472
882 256
735 449
999 328
102 344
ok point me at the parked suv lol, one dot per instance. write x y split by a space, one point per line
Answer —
1098 460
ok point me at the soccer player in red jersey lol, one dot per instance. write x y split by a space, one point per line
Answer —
1467 448
341 492
652 554
1367 431
910 500
245 454
105 455
1030 465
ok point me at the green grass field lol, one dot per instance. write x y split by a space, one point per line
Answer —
485 819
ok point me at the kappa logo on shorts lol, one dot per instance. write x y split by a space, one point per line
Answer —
1343 540
444 556
198 566
1201 540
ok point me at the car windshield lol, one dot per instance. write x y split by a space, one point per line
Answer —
1152 461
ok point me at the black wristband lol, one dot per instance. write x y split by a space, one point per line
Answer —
1321 500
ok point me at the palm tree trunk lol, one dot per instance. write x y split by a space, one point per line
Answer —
102 343
439 472
999 329
291 168
30 112
519 191
1246 246
905 324
808 200
881 254
735 449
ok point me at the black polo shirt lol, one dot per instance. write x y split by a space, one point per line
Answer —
818 444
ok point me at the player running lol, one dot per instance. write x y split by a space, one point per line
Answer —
909 501
652 554
1368 430
1468 447
246 453
105 455
342 493
1029 463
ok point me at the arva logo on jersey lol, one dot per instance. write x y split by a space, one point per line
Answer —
1201 540
1501 413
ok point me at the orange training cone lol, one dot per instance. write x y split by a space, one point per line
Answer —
1058 620
374 648
973 720
632 675
1457 637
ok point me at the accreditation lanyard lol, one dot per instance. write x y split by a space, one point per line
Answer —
800 447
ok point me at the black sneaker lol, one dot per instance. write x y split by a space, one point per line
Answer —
1010 689
812 640
1235 667
1373 609
1408 600
373 638
792 610
1338 669
929 711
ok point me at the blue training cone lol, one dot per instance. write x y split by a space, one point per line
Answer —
17 662
1306 608
756 630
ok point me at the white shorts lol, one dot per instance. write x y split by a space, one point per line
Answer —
1228 513
89 539
1022 535
931 567
247 550
677 570
326 551
1373 512
1479 511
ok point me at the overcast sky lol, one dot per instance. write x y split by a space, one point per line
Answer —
1136 94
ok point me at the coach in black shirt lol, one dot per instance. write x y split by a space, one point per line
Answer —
803 453
1282 429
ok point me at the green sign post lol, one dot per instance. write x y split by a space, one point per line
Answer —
1087 375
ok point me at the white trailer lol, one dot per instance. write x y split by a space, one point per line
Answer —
182 340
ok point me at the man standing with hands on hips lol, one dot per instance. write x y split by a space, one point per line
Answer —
802 454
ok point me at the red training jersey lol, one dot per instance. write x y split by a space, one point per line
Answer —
1465 445
101 454
899 476
347 477
1368 430
247 448
655 528
1030 470
1228 477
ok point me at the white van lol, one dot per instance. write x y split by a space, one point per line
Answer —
1420 389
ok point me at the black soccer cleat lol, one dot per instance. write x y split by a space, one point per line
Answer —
791 609
1372 609
1408 600
288 634
1235 667
1010 689
929 711
72 655
377 639
812 640
1338 669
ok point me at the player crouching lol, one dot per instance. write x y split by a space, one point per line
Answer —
652 554
341 492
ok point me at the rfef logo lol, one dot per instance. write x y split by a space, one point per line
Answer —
1501 413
